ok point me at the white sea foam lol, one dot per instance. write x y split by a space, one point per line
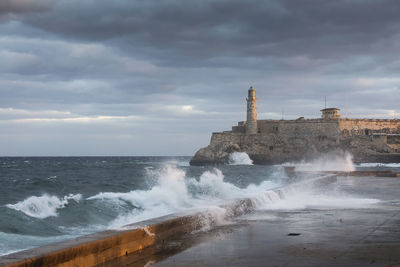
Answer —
240 158
303 200
213 216
212 185
175 192
372 165
291 198
170 194
43 206
327 162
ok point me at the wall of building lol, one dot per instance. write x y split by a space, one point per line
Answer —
280 141
393 141
293 140
368 137
239 129
368 126
226 137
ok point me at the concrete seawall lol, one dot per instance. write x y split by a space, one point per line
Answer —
99 248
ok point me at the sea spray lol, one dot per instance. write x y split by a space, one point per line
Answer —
116 177
168 195
239 158
198 188
299 200
265 199
175 192
43 206
376 164
309 197
211 217
212 185
328 162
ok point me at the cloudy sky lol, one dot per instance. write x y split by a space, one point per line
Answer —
156 77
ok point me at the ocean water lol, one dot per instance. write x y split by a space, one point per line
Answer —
45 200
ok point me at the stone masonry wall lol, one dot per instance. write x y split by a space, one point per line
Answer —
359 126
281 141
278 141
368 138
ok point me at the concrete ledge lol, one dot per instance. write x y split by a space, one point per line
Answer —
98 248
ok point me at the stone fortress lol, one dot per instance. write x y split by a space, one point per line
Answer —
279 141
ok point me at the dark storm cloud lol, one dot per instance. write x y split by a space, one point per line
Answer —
183 67
181 32
24 6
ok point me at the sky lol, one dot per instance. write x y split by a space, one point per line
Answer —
157 77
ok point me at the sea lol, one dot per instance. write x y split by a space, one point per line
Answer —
49 199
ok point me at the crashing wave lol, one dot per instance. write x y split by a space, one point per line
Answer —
175 192
372 165
43 206
240 158
328 162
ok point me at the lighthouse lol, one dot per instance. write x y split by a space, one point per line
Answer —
251 123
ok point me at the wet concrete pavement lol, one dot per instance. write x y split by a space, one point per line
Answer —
356 224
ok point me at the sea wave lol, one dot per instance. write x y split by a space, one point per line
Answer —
372 165
328 162
239 158
309 199
175 192
43 206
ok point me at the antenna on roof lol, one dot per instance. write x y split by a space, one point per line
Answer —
347 115
325 101
282 114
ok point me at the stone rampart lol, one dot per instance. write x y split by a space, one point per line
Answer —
369 126
278 141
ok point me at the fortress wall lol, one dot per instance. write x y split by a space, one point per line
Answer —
316 129
226 137
394 148
364 147
358 126
291 140
307 137
361 145
395 139
273 131
267 126
390 141
378 140
238 129
277 141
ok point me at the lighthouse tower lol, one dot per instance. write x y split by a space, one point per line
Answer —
251 123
